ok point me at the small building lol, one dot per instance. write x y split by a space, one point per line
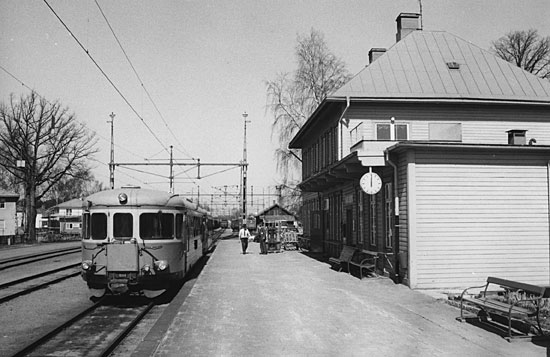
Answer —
276 215
67 217
8 215
436 157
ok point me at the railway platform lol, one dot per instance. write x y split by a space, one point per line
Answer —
289 304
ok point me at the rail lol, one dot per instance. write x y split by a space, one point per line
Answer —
117 321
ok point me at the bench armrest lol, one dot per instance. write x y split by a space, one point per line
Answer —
369 259
472 287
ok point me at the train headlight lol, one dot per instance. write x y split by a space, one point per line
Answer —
87 265
122 198
146 269
161 265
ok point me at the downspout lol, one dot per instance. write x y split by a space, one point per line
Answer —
397 265
548 187
342 122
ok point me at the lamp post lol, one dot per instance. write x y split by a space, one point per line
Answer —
244 169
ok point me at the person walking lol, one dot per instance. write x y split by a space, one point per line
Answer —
244 234
263 236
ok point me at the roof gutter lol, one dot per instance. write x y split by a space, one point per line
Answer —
436 100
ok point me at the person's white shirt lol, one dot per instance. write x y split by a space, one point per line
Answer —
244 233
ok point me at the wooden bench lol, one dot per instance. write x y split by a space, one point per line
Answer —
364 260
501 304
345 256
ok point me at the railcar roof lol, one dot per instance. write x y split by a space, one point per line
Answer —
139 197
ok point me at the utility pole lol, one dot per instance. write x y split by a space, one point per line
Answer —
279 194
171 177
112 163
244 168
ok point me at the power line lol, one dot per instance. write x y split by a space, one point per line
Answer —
105 75
44 98
139 78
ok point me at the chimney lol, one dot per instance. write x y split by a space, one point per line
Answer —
374 53
406 23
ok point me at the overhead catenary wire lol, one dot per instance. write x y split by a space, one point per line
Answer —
140 80
82 123
106 76
142 84
121 172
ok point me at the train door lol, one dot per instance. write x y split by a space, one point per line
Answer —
204 235
180 235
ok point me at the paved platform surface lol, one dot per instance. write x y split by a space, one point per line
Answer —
288 304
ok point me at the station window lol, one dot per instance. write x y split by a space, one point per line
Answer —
392 131
388 207
98 226
123 224
2 204
372 218
156 226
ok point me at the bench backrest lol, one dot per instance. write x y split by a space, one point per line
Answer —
529 288
347 253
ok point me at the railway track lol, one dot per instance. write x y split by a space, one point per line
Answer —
15 288
96 331
32 258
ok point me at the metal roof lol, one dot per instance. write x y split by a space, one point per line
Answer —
428 65
272 208
10 196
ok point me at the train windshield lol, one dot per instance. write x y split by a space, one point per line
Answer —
123 225
156 226
98 226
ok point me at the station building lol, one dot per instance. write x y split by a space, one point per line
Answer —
453 146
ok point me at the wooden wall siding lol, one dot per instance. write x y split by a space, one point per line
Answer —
480 124
474 221
403 216
322 152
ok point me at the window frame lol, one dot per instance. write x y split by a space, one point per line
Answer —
116 225
392 130
93 224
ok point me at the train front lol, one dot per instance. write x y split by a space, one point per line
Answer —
132 242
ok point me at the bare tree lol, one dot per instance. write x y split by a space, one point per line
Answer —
527 50
80 184
41 143
292 98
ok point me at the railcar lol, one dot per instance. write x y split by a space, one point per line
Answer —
141 241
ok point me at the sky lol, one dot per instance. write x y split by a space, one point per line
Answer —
204 63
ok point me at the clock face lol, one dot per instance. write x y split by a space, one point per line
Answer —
371 183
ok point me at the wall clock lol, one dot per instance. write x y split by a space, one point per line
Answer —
371 183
